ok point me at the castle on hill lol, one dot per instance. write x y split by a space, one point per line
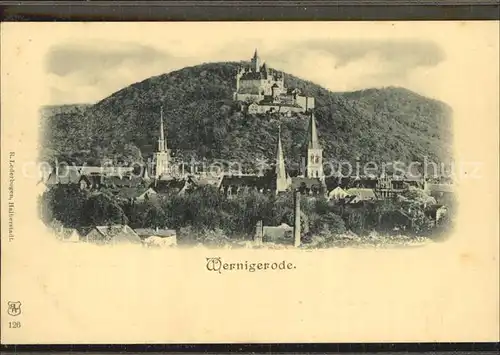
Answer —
263 90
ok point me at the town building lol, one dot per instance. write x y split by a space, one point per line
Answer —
279 180
436 212
443 193
263 90
283 180
172 186
161 159
337 193
356 195
274 234
114 234
157 237
70 235
314 156
135 194
272 182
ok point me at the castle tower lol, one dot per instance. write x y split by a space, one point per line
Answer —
314 157
283 181
162 156
256 62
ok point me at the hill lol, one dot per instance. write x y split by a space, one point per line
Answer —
388 124
52 110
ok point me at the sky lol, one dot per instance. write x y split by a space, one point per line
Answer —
89 66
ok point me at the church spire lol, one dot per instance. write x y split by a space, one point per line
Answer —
313 134
161 142
282 179
314 155
162 159
280 161
256 62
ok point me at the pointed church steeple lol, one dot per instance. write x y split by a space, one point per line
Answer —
162 145
314 157
283 181
162 156
280 161
256 62
313 134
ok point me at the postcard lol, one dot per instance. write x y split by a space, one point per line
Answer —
249 182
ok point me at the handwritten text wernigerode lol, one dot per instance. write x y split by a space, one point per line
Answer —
216 264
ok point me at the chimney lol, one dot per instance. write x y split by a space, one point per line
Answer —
296 226
258 233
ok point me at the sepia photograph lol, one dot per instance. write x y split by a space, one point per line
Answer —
350 167
312 143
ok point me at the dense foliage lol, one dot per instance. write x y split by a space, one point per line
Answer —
202 121
206 212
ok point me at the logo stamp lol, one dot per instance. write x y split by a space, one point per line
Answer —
14 308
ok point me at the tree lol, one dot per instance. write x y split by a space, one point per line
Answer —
131 154
56 225
355 220
417 196
380 215
421 224
332 223
64 203
413 202
288 217
155 217
100 210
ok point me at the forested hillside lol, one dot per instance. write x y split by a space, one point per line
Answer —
385 124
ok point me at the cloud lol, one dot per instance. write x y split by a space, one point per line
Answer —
89 71
403 54
341 65
97 56
400 54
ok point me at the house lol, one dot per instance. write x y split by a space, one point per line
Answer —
277 233
436 212
272 106
135 194
91 182
365 182
355 195
308 185
63 175
68 235
337 193
157 236
170 186
105 170
198 181
234 184
114 234
121 181
443 193
44 173
397 220
331 182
